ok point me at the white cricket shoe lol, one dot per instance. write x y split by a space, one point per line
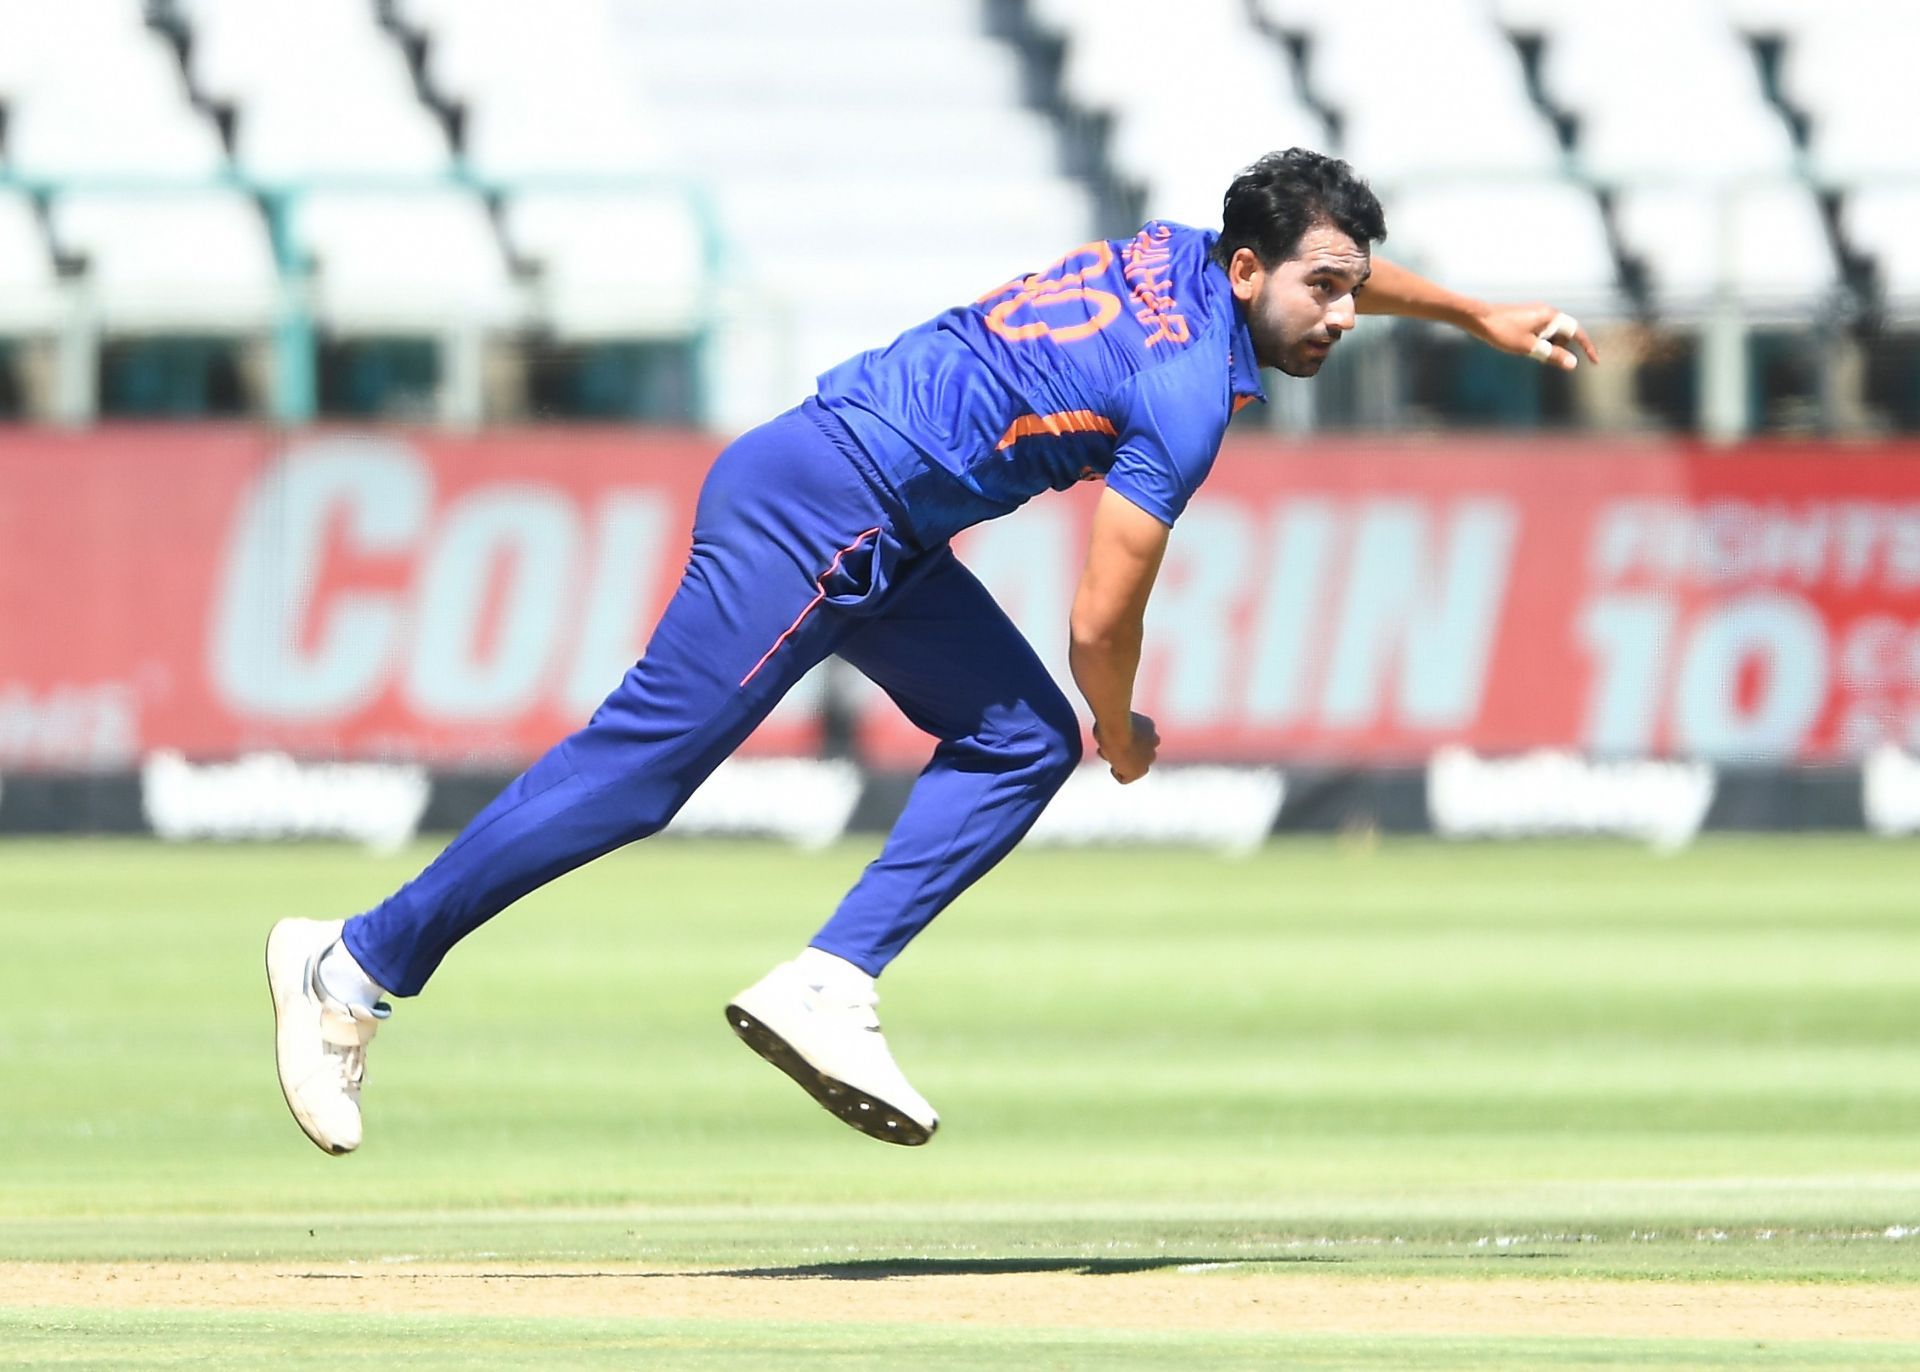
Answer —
814 1019
320 1044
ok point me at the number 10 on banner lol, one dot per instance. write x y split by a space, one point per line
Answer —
1748 677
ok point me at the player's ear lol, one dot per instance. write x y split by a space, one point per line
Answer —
1245 273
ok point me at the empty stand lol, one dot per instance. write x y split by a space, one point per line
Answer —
796 167
572 112
1767 244
1884 223
319 90
92 92
795 182
612 266
1191 102
415 263
30 296
1663 91
194 262
1853 75
1508 239
1427 90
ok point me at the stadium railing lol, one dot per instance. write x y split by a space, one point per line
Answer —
293 338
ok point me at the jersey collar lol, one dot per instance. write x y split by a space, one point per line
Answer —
1243 370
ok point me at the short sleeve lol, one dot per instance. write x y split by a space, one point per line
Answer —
1171 422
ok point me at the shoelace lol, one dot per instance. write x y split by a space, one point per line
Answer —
349 1059
353 1064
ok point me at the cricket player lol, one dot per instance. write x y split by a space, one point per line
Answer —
826 531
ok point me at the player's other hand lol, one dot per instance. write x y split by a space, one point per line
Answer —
1130 758
1537 331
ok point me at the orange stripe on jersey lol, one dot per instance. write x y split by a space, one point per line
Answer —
1240 402
1060 422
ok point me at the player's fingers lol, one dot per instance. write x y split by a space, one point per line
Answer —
1586 345
1547 355
1562 327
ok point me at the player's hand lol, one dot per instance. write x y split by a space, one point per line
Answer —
1131 758
1541 332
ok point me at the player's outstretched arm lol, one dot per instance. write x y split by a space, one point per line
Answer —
1536 331
1109 615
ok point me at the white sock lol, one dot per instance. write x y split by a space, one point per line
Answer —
343 978
826 969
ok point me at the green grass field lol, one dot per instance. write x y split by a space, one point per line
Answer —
1411 1063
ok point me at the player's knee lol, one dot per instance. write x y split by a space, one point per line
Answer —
637 801
1057 738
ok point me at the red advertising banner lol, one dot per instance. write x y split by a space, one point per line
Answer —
467 601
458 601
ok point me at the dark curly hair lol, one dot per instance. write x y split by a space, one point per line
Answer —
1276 200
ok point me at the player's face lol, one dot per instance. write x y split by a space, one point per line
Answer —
1298 310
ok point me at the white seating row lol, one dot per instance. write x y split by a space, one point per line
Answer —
626 266
864 182
634 266
870 162
1662 89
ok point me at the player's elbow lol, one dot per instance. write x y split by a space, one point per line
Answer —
1097 628
1093 635
1102 642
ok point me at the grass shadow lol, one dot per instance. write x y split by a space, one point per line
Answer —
880 1269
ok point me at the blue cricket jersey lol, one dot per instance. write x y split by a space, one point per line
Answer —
1124 360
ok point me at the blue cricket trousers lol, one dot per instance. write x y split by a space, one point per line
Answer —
796 555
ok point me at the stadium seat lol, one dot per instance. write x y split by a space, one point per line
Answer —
612 266
1534 18
102 97
1302 16
1035 219
1180 140
513 139
249 49
1196 155
899 70
1772 248
1184 152
1120 52
1774 17
281 141
861 199
198 262
778 23
320 90
895 304
574 112
404 264
1693 109
1508 240
1853 75
1446 98
30 297
1884 223
41 44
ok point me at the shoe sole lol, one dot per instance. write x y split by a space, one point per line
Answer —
869 1114
299 1118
